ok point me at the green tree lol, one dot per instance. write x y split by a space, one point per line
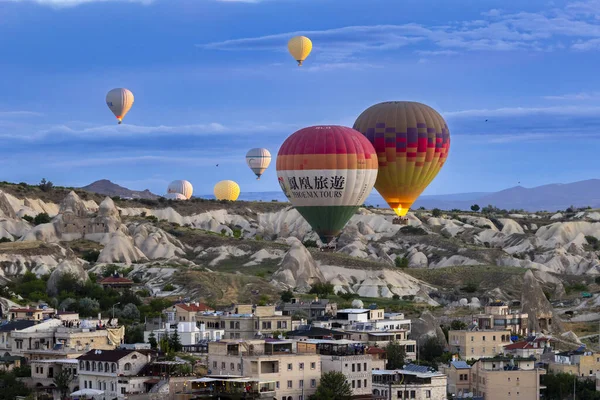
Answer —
436 212
401 262
175 342
287 296
322 289
333 386
45 185
431 349
62 380
475 207
152 341
396 353
134 334
458 325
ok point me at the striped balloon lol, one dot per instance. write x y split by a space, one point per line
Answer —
120 101
327 172
258 160
412 142
182 187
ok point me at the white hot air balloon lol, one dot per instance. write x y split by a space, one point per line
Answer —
119 101
182 187
175 196
258 160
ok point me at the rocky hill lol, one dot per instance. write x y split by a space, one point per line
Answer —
107 188
246 251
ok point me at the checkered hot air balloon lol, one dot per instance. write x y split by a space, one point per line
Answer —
412 141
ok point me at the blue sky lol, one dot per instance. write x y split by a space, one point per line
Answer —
212 79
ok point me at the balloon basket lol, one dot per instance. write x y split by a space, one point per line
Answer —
328 248
400 221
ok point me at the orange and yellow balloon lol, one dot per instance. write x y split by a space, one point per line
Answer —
412 141
300 47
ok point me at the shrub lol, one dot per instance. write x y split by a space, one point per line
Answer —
401 262
470 287
45 186
475 207
436 212
5 240
91 256
310 243
168 288
28 218
413 230
41 218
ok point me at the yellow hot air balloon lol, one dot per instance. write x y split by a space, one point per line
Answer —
300 47
412 141
227 190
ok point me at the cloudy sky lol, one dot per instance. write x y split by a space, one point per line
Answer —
213 78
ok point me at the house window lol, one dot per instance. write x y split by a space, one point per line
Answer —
358 367
353 384
494 338
313 383
231 325
232 366
312 365
289 367
428 394
223 365
413 394
127 367
100 367
122 390
301 366
134 357
85 384
365 383
214 364
359 383
290 384
353 367
365 365
277 385
239 367
114 368
301 383
472 338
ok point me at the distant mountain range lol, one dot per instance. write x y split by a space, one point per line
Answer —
557 196
107 188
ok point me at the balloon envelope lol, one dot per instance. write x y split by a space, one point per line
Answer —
227 190
300 47
119 101
327 172
175 196
412 141
182 187
258 160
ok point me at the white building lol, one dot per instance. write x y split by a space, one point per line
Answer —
413 382
43 373
113 372
189 333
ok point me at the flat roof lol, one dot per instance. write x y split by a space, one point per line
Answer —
328 341
60 361
354 310
405 372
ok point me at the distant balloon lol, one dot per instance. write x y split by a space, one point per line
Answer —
119 101
327 172
227 190
258 160
300 47
175 196
182 187
412 142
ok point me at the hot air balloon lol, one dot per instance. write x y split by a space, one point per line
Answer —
182 187
299 47
119 101
227 190
412 142
175 196
327 172
258 160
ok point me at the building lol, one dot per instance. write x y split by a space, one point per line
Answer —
114 372
476 343
311 332
189 333
349 316
578 362
459 377
185 312
498 316
31 313
345 356
117 283
43 373
369 334
294 375
532 346
412 382
313 309
247 321
506 378
378 358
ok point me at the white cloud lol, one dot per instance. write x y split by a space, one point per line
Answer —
575 96
525 111
198 160
572 27
74 3
88 131
9 114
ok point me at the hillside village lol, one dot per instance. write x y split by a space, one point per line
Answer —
158 299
